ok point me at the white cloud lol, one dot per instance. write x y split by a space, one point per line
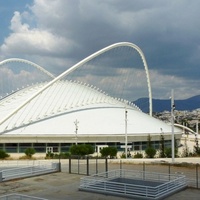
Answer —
25 40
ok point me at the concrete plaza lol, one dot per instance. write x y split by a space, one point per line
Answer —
62 185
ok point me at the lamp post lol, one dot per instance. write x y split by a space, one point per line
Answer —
76 129
126 139
172 122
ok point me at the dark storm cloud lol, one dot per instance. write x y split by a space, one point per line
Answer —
66 31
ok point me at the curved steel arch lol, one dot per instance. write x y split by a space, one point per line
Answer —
27 62
185 127
77 65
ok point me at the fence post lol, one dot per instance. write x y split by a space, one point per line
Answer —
70 163
88 166
96 165
169 171
197 175
1 176
59 169
143 170
106 163
120 164
78 163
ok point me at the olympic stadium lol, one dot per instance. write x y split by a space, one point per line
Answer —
53 114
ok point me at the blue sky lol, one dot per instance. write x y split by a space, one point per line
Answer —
7 9
56 33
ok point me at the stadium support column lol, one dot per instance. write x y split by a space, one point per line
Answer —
172 122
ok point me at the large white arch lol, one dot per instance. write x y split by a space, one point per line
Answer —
10 60
74 67
185 127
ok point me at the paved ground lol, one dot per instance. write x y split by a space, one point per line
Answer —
62 185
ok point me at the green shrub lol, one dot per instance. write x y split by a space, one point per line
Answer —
123 155
150 152
109 151
168 152
49 155
3 154
63 155
138 155
81 149
30 152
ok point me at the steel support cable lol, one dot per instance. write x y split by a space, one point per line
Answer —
77 96
69 95
51 96
81 94
57 96
74 88
33 108
74 67
84 94
64 87
125 80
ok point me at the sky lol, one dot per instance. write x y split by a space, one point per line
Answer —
56 34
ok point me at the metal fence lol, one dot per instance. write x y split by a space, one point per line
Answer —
132 183
13 170
88 166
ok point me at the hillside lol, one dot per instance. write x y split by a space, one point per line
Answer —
160 105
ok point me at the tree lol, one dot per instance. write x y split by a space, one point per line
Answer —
29 152
162 147
150 151
108 151
196 146
81 149
186 151
168 150
3 154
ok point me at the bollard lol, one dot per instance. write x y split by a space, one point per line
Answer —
70 163
1 177
88 173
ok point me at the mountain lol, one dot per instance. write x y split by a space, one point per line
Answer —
160 105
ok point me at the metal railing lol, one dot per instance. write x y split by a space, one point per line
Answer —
108 182
89 166
13 171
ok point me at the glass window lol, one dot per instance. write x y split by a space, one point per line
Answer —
144 147
136 147
64 147
24 146
11 148
40 147
55 146
1 146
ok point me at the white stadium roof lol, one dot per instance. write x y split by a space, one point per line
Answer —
56 109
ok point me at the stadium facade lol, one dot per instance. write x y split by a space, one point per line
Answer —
54 115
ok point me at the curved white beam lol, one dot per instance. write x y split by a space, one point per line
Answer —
184 127
27 62
74 67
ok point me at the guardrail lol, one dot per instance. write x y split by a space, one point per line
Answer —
135 184
13 171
